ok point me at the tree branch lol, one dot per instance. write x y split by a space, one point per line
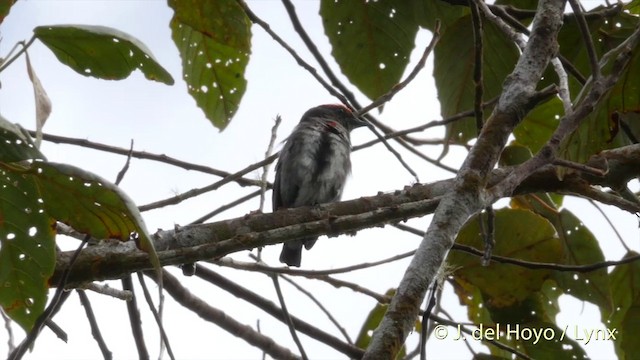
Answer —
466 197
114 259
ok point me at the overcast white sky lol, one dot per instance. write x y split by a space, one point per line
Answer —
164 119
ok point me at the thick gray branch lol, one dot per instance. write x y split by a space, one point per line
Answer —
457 206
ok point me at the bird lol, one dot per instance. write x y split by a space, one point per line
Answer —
313 166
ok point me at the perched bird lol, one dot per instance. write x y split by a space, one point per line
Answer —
313 166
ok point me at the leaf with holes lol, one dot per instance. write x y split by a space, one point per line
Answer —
537 126
624 320
16 144
581 248
88 203
214 40
27 248
519 234
101 52
371 40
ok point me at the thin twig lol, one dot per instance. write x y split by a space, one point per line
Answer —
503 14
434 123
265 26
615 230
270 308
52 308
382 99
313 49
134 319
477 65
226 207
431 303
228 262
95 330
209 313
145 155
586 37
124 169
7 325
580 167
322 308
109 291
24 48
156 315
199 191
267 153
563 85
515 36
491 341
287 317
532 264
57 330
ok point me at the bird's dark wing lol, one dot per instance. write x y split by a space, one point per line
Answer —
276 200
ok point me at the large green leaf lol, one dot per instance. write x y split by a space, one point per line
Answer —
371 324
624 321
33 197
582 248
214 40
27 248
427 12
85 201
519 234
453 72
371 40
101 52
15 143
539 124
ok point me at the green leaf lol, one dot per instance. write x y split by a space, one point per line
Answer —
91 205
214 40
625 319
370 40
85 201
514 154
427 12
453 72
5 6
371 323
101 52
633 7
16 144
519 234
27 248
539 124
558 348
582 248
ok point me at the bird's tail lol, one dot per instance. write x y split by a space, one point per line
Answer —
291 253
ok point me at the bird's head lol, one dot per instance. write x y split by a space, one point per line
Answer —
335 113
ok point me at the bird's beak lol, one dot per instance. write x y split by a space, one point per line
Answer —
358 122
